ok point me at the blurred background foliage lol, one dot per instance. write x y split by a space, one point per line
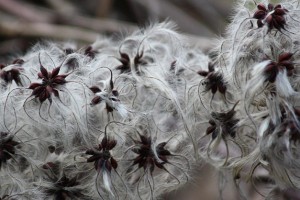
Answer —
25 22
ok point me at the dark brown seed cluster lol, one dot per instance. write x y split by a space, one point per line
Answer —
90 52
146 157
111 94
7 147
101 155
125 62
50 80
62 189
97 99
290 125
272 15
223 123
5 197
13 74
214 80
284 62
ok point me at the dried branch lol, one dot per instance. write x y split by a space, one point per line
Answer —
104 8
99 25
78 27
62 6
185 21
48 16
60 32
25 11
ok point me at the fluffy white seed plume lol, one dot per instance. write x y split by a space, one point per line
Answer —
130 118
